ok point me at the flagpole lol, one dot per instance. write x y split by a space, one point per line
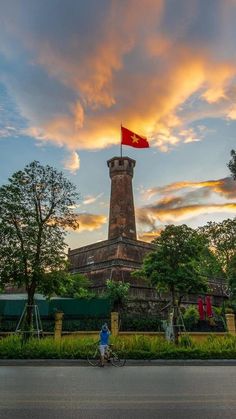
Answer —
121 140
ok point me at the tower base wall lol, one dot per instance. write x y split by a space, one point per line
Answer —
112 259
116 259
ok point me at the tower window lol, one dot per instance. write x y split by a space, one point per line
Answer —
120 162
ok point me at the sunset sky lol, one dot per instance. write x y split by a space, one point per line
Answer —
72 70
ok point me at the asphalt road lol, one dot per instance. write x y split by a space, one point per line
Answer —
168 392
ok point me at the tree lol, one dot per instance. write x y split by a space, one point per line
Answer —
222 240
117 292
75 286
231 275
35 208
231 269
232 164
178 265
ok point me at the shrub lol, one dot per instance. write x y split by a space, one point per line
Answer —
190 317
229 310
186 341
117 292
136 347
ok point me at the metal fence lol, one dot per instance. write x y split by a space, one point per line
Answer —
69 306
79 314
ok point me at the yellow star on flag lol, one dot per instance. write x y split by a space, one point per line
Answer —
134 139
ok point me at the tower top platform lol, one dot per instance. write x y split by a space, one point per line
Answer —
121 165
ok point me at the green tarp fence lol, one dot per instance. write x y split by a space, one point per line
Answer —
96 307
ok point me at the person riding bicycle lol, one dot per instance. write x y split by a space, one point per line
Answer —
104 341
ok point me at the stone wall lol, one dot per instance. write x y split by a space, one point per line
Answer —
110 259
117 258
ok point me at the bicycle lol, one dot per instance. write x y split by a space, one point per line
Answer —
94 357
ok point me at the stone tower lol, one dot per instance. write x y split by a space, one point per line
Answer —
122 216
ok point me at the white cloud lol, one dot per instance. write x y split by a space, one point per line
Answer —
89 199
72 163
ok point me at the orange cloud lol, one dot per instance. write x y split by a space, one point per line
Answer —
153 110
90 70
149 236
217 81
127 67
176 208
159 214
90 222
225 187
232 112
181 213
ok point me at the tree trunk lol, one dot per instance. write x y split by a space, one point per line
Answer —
176 331
116 307
32 286
175 317
29 311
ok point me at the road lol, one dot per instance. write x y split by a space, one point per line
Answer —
168 392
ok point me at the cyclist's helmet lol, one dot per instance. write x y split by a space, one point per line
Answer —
104 327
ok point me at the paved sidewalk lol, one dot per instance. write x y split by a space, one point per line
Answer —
129 362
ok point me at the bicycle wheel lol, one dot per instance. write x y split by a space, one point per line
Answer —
93 357
116 360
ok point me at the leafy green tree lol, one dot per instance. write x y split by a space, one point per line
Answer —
178 265
35 208
232 164
232 279
222 241
231 268
117 292
75 286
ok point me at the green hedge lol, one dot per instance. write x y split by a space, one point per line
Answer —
137 347
86 323
70 324
140 323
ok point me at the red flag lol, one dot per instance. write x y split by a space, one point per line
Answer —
134 140
200 308
209 311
